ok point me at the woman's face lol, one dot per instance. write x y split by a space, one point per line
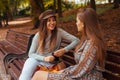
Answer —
51 23
79 24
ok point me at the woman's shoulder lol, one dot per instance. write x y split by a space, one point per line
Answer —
60 30
37 34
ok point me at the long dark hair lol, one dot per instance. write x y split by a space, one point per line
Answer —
91 26
43 30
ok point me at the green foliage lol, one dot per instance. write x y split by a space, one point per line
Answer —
68 18
48 4
70 5
2 7
100 10
24 12
65 5
104 8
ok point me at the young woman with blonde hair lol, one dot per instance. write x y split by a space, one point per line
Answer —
89 54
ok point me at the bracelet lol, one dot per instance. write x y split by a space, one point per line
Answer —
56 58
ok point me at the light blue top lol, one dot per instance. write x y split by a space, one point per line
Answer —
61 34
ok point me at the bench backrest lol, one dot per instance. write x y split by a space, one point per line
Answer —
112 66
20 40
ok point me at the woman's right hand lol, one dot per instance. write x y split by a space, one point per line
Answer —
49 58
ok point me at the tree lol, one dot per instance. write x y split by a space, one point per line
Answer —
2 8
54 5
92 4
0 21
37 7
109 1
59 8
116 4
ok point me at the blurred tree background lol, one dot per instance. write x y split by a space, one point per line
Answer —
11 9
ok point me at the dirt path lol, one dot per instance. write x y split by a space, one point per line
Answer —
21 25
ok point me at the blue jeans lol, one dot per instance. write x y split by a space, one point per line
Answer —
28 69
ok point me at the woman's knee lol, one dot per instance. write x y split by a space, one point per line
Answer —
29 66
40 75
36 75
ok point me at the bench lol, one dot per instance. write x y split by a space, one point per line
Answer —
15 42
14 62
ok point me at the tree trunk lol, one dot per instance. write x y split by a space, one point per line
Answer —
37 7
59 8
54 5
116 4
7 15
92 4
0 21
109 1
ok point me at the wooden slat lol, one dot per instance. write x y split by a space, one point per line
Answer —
10 36
21 46
1 55
109 76
18 64
15 70
70 53
113 58
113 67
68 63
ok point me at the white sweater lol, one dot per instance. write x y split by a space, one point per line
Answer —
61 34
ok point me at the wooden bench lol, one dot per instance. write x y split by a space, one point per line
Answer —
14 62
15 43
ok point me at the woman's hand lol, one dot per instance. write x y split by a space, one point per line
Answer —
49 58
59 52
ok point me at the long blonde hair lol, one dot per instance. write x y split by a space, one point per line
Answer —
43 30
92 28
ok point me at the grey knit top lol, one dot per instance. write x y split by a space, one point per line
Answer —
61 34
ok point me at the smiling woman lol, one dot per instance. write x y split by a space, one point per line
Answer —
46 45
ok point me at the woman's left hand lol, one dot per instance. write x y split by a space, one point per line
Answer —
59 52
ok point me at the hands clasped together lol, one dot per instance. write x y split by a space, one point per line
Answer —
56 54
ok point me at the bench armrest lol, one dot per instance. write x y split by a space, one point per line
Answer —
11 57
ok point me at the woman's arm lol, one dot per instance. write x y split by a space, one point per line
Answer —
67 36
86 63
32 52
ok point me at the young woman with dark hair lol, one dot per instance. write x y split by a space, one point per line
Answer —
45 43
